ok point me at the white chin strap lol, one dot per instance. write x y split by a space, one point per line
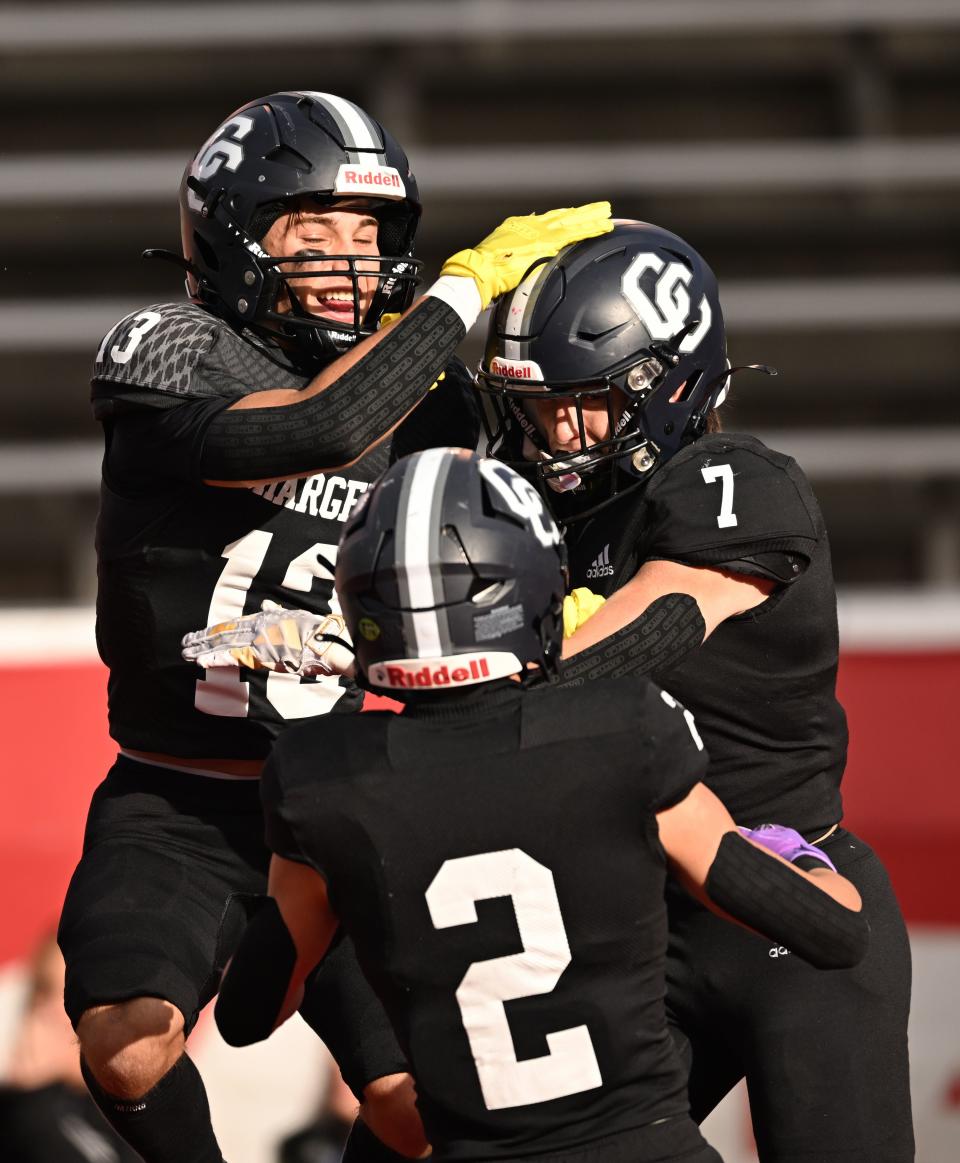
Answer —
723 391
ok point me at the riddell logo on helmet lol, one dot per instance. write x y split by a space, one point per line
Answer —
382 180
515 369
428 677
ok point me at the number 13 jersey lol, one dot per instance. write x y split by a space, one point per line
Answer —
175 554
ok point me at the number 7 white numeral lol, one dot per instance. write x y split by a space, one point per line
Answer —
723 473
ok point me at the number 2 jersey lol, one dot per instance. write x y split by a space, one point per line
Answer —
494 856
762 686
175 554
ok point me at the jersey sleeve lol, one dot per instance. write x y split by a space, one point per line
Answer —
733 503
283 808
306 792
146 443
158 357
448 416
678 759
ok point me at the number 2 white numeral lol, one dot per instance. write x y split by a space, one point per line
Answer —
723 473
570 1064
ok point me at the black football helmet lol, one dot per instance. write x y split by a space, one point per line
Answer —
632 317
451 572
268 152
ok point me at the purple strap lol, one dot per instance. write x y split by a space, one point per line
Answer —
786 842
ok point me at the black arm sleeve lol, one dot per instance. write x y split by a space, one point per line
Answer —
253 988
336 426
785 907
666 631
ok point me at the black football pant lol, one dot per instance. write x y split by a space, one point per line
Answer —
824 1052
172 865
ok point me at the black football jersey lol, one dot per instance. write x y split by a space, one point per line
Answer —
762 686
494 856
175 554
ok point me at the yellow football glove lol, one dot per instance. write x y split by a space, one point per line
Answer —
578 606
499 263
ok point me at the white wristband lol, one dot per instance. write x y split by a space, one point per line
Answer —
459 292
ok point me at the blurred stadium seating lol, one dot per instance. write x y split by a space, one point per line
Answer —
809 148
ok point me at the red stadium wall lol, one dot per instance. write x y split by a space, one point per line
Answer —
900 790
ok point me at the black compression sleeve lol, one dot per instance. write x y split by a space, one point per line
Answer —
337 425
666 631
253 988
785 907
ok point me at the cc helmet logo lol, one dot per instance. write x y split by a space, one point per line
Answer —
522 499
222 148
668 312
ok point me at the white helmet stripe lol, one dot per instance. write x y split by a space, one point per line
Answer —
522 304
421 493
359 132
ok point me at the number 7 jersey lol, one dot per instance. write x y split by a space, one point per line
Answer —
762 686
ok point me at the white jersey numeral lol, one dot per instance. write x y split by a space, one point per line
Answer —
222 691
570 1066
687 717
143 322
723 473
288 694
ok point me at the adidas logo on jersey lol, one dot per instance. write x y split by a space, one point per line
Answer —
601 567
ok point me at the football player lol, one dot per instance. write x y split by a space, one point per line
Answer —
606 368
241 428
493 851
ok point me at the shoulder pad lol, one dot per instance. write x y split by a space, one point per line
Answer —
726 497
779 566
717 445
157 349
